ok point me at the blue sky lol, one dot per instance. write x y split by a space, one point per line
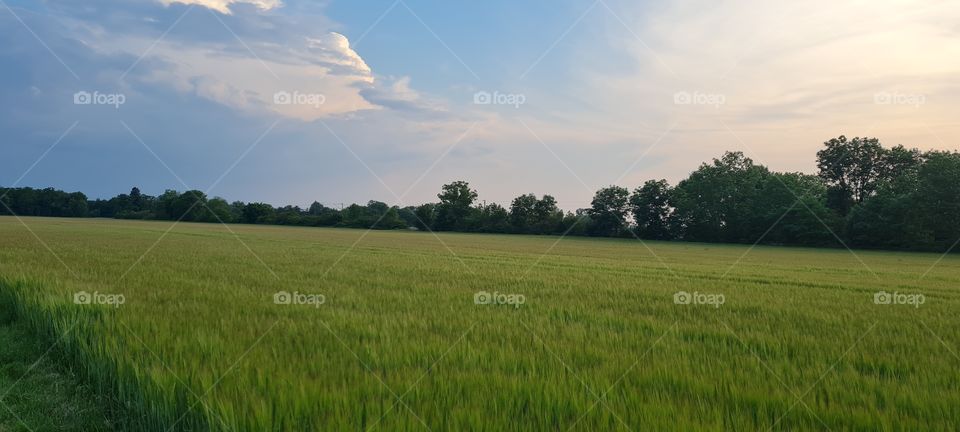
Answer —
339 101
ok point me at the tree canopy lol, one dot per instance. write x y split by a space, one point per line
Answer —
864 195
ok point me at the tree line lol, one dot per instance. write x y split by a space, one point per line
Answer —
864 196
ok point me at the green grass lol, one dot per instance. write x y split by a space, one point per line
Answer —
599 344
37 390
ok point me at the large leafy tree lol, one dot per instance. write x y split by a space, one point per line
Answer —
900 162
288 215
43 202
456 200
650 205
887 219
316 209
852 169
938 197
548 216
136 199
375 215
890 218
608 211
522 213
901 166
717 203
219 210
165 204
490 218
257 213
190 206
791 209
426 215
576 223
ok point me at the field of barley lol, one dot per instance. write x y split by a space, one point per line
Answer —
257 328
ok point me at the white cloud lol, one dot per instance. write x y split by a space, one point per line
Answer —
312 73
306 78
223 6
334 48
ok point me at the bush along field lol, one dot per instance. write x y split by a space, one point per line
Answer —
209 327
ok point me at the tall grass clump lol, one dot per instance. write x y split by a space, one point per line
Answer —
77 333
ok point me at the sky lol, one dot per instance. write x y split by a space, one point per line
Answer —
290 102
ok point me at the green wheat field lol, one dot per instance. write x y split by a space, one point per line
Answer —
259 328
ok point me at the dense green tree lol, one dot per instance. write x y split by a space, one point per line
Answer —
426 216
254 213
548 217
791 209
191 206
375 215
409 216
136 199
164 207
490 218
316 209
887 220
236 211
852 169
456 201
716 202
330 217
900 167
136 205
522 213
76 205
535 216
938 198
320 215
576 223
288 215
650 206
220 211
391 220
355 215
608 211
43 202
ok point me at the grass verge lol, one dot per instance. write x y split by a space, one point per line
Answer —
38 392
